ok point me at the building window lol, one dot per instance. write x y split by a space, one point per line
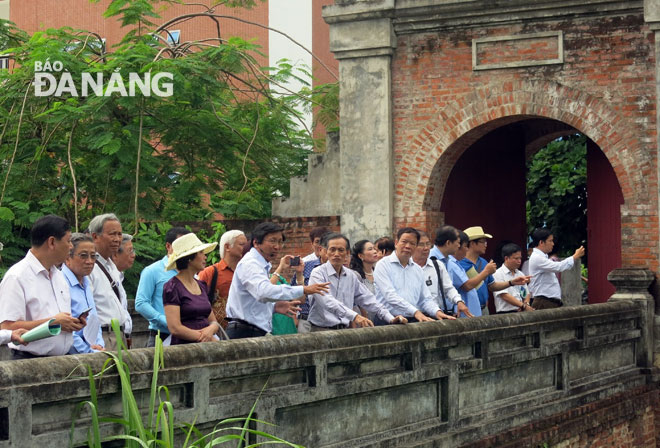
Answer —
4 63
173 37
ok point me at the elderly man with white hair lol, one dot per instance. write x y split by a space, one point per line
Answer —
218 276
109 294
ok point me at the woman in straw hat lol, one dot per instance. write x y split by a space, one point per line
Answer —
187 307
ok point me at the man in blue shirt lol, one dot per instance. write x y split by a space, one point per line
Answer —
311 261
474 264
400 283
447 244
76 271
149 296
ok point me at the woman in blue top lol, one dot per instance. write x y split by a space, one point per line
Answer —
76 271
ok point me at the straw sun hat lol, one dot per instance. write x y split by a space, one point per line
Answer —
187 245
476 233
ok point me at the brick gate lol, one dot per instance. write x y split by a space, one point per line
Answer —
423 81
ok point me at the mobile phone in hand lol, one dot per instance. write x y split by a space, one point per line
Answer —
295 261
85 313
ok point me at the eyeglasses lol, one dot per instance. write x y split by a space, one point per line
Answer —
86 256
429 244
339 250
274 241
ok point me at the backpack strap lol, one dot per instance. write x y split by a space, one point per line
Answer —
441 288
113 284
214 282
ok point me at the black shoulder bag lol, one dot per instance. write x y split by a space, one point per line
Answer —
214 282
448 311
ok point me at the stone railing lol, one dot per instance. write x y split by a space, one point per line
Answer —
443 383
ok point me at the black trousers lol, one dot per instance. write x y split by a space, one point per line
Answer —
241 330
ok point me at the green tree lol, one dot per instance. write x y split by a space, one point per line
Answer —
557 191
224 141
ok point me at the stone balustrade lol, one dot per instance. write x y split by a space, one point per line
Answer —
427 384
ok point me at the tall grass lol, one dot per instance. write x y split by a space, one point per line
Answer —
157 428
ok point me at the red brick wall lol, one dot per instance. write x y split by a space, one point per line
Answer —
629 420
604 89
296 230
35 15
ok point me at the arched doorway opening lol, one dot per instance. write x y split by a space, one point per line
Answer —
487 186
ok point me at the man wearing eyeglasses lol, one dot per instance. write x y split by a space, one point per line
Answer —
252 297
334 311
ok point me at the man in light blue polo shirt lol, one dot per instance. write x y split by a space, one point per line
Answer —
149 296
447 244
400 284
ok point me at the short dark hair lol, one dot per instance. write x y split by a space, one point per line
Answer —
174 233
263 229
47 226
444 234
318 232
465 239
384 243
334 236
540 235
182 263
407 230
510 249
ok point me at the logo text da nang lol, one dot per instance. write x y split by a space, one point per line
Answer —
46 83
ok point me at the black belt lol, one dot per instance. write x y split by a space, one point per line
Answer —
108 328
22 354
163 335
334 327
245 324
550 299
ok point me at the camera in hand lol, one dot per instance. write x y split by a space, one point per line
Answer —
295 261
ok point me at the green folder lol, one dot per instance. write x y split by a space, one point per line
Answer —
45 330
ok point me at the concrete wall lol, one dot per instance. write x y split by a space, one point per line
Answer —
317 193
4 9
432 384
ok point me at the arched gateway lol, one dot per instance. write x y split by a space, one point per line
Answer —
424 84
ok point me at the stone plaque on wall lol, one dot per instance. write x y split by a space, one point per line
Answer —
518 51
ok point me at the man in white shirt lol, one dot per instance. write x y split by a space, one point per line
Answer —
544 287
400 282
442 289
334 311
109 294
7 336
514 298
33 291
252 296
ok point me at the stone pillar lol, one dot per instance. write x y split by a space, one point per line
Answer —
633 284
571 285
652 17
363 41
